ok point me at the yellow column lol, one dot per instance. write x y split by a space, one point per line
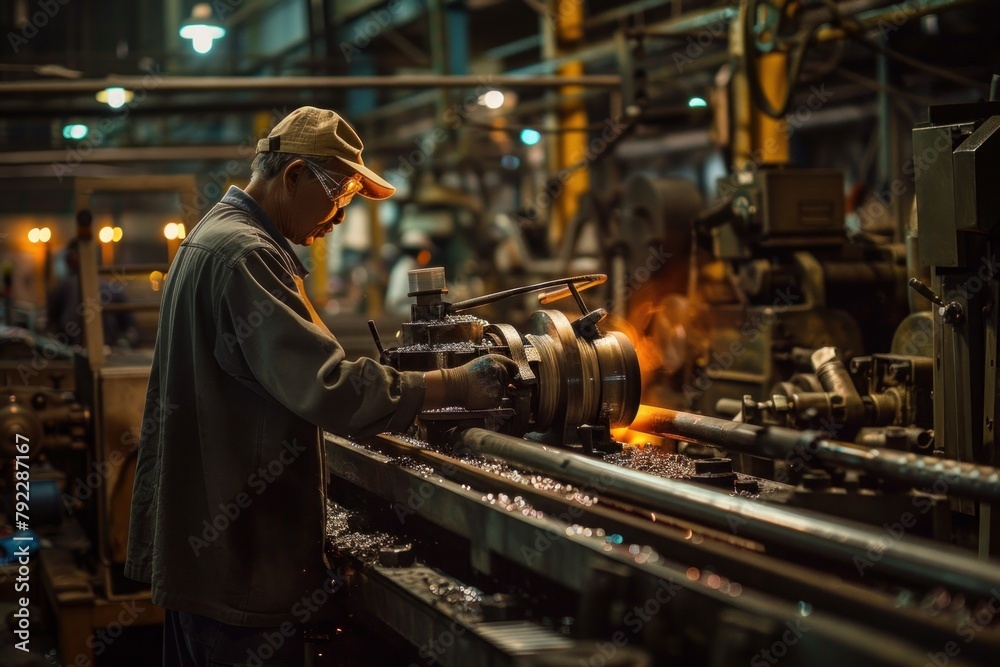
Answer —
758 139
771 134
572 114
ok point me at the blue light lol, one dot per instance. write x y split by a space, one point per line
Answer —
510 162
75 131
696 102
530 137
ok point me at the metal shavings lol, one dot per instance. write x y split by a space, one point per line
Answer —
337 519
462 319
421 469
650 460
539 482
419 347
460 346
515 504
363 546
465 599
340 537
416 442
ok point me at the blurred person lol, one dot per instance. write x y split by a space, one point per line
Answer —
229 502
65 307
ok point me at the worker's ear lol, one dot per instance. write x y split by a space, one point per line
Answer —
291 175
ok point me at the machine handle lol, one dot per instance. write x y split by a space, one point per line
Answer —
566 287
925 291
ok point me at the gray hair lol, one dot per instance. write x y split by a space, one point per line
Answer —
267 165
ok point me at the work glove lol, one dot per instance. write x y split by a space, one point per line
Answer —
479 384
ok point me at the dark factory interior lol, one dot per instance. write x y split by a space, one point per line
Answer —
529 333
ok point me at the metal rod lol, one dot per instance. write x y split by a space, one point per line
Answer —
935 474
692 22
134 154
218 83
914 559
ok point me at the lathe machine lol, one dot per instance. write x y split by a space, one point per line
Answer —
545 533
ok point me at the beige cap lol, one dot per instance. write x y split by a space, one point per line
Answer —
323 133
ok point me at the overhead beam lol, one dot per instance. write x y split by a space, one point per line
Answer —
140 154
215 84
699 20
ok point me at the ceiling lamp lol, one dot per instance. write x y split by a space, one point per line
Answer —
115 97
492 99
201 28
75 131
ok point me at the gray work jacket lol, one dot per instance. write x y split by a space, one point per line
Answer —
228 507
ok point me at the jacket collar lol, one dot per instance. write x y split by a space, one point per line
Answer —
241 200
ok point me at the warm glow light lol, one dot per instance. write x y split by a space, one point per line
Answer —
115 97
44 234
106 234
170 231
181 232
117 235
34 235
629 437
492 99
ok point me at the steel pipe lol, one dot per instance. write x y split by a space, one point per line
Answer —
913 559
934 474
214 84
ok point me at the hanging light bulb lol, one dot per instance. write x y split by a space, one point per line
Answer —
201 28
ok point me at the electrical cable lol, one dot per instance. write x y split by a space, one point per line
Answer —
799 45
853 30
881 88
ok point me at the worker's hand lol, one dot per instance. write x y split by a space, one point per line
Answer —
477 385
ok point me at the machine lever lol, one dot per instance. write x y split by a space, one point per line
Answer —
951 313
925 291
378 341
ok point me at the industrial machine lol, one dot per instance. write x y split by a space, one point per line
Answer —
752 453
574 383
822 495
539 533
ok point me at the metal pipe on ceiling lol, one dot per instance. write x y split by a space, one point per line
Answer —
692 22
141 154
216 84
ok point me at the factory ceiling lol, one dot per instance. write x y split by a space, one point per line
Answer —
382 64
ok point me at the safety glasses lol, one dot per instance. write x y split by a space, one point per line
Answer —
340 192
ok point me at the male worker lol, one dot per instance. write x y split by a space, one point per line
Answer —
228 510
